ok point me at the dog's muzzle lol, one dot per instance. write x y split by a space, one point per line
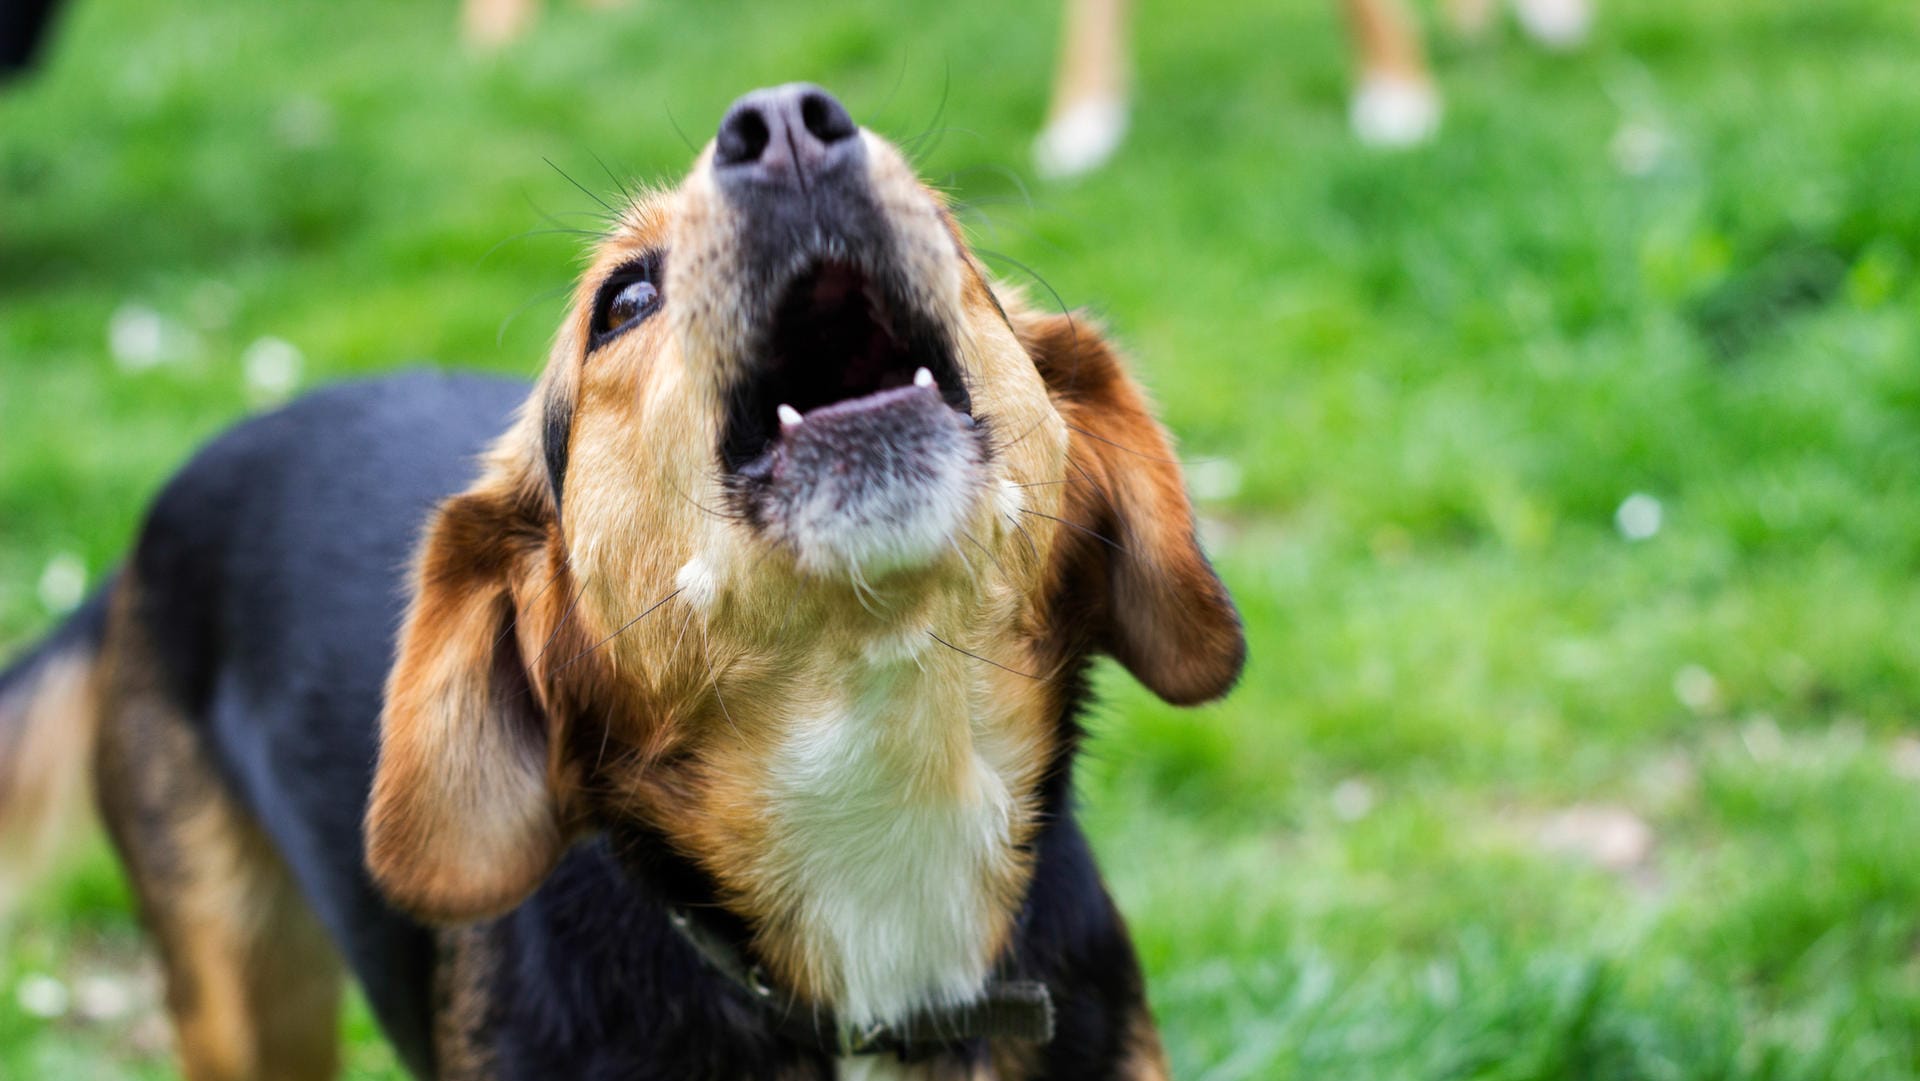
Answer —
849 433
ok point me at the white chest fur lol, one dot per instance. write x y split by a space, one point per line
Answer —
891 839
880 1068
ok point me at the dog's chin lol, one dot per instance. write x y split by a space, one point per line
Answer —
872 485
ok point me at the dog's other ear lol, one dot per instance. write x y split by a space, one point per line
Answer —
1165 614
464 821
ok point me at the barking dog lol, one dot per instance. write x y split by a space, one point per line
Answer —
728 727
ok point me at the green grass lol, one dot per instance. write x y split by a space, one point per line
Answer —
1421 384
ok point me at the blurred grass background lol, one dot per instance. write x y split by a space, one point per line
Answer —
1565 470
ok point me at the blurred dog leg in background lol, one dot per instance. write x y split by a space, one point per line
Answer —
1395 102
1089 114
1394 99
493 24
490 24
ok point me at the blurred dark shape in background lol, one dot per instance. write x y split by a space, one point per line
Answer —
23 29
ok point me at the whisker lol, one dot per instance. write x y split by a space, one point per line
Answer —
623 629
1095 485
724 516
1108 541
685 624
861 591
500 335
561 622
984 660
1130 450
973 573
886 103
984 550
677 130
939 111
600 757
1020 527
1002 448
583 189
988 253
537 594
713 679
619 184
557 230
562 227
1001 171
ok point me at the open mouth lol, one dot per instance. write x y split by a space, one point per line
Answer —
838 346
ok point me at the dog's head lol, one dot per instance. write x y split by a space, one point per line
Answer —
788 431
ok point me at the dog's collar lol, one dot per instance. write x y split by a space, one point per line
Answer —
1007 1010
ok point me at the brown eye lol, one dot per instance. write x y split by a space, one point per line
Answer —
631 303
627 297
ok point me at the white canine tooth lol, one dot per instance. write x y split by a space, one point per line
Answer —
789 416
922 378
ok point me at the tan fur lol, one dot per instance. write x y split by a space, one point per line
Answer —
887 1068
1146 1058
490 24
465 968
1386 40
43 780
1093 56
253 985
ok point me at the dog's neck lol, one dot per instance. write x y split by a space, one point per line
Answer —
894 813
862 793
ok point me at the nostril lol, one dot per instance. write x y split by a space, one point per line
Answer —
743 137
825 118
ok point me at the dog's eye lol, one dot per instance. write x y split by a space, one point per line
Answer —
626 298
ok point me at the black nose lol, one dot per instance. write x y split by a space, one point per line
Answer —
787 135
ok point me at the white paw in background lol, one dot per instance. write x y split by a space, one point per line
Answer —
1557 24
1081 139
1395 111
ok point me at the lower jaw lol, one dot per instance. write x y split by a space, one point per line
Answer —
873 520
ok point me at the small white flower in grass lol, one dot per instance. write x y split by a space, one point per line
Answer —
304 123
63 583
1557 24
1442 982
102 998
1637 148
1696 689
1762 739
1638 517
1906 758
42 996
1213 480
137 337
272 369
1353 800
140 338
1612 838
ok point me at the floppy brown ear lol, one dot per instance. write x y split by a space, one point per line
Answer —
1166 616
464 821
